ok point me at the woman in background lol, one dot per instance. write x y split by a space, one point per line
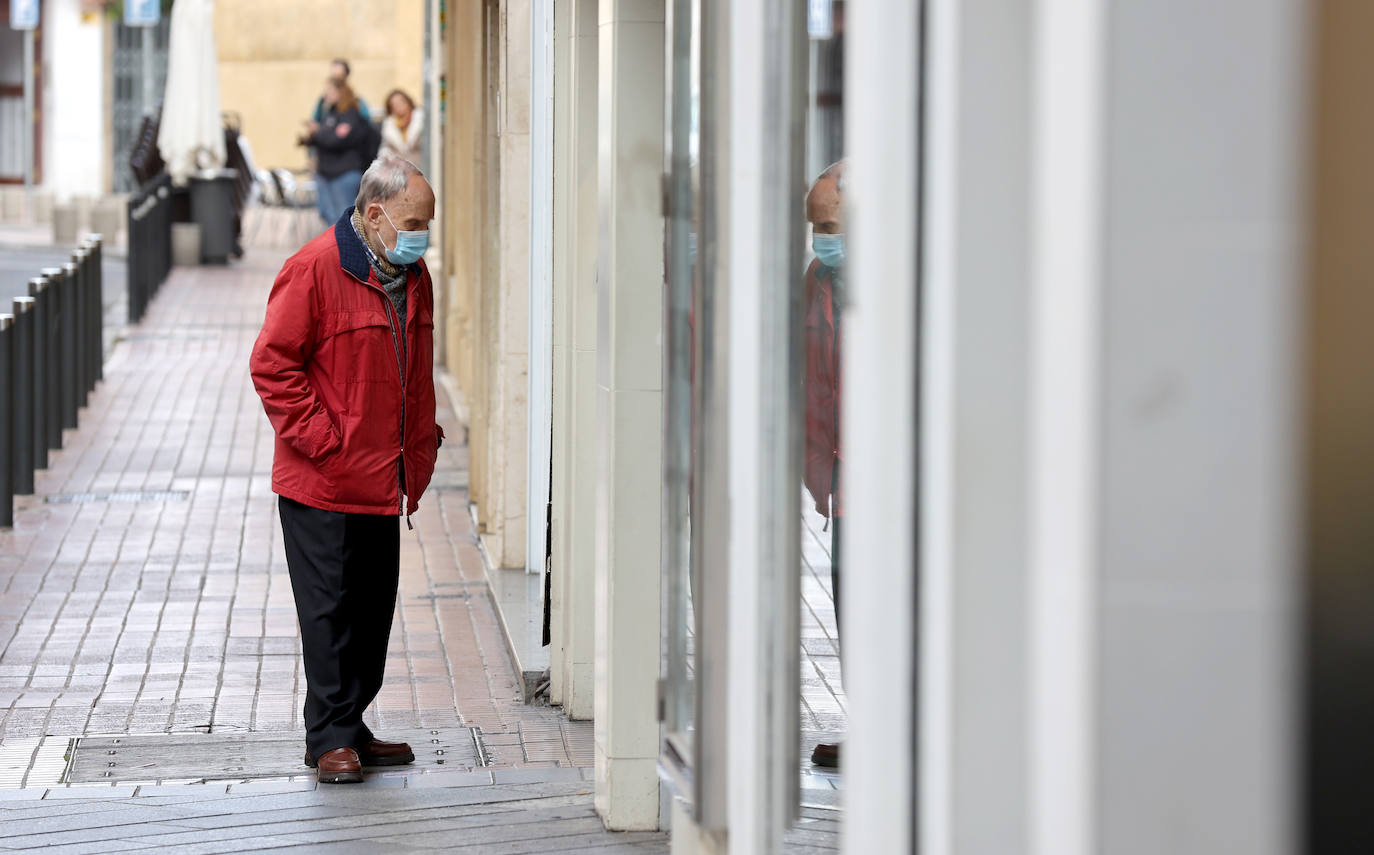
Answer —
403 128
339 139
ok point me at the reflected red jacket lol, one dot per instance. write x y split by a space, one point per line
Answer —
353 411
821 471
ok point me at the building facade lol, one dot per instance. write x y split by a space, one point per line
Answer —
72 77
1063 338
274 58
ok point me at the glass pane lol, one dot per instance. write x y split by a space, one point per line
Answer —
682 425
824 717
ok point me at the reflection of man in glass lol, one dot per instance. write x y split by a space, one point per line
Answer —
824 280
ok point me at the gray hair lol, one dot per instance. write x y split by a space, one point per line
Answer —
385 179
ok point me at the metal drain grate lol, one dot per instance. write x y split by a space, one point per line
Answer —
118 497
238 756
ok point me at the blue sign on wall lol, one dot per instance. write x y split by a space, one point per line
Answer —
23 14
142 13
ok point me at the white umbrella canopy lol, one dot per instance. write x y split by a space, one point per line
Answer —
191 134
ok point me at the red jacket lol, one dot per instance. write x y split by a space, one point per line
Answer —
349 421
822 390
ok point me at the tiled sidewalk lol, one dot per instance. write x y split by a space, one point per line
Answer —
507 811
144 588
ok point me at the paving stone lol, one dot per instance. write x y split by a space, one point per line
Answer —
449 779
97 847
89 792
536 776
272 787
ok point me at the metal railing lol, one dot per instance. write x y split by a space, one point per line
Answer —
51 357
150 243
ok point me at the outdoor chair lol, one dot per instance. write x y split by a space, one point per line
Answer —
282 191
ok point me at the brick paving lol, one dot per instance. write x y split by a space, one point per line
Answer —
143 589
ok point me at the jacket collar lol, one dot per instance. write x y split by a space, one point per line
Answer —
352 253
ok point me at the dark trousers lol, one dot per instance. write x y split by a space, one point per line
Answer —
344 572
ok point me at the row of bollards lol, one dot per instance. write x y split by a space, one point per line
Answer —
150 243
51 357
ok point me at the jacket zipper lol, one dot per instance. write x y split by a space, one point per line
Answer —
834 399
400 368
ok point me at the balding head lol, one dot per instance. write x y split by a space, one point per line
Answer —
825 202
394 195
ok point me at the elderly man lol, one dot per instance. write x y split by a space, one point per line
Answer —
344 367
824 278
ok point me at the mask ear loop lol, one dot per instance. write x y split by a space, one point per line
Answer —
393 228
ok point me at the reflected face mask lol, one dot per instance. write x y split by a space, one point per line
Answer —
829 249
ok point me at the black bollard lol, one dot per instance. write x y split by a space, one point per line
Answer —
96 315
52 367
38 290
21 404
6 420
81 257
71 395
163 238
133 260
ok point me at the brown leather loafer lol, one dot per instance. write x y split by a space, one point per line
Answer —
340 766
378 753
826 755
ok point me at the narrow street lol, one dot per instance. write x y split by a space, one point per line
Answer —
150 676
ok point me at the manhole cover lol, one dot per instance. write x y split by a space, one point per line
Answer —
122 496
189 756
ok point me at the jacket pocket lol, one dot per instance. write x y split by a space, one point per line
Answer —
356 346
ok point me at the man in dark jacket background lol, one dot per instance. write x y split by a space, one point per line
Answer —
344 367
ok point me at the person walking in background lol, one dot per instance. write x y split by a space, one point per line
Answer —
345 369
403 128
338 70
340 140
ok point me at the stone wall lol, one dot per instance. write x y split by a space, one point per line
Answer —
274 56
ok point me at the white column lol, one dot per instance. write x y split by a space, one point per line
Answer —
1065 365
879 433
508 413
540 394
1200 272
629 409
1107 494
575 389
761 234
560 352
75 65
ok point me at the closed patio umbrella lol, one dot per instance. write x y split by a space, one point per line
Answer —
191 136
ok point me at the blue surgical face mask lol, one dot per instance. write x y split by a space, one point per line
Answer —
409 245
829 249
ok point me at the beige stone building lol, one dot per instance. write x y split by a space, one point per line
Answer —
274 56
1040 494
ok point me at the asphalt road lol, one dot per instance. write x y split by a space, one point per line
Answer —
17 266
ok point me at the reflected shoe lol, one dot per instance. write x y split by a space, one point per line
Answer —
340 766
826 755
378 753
